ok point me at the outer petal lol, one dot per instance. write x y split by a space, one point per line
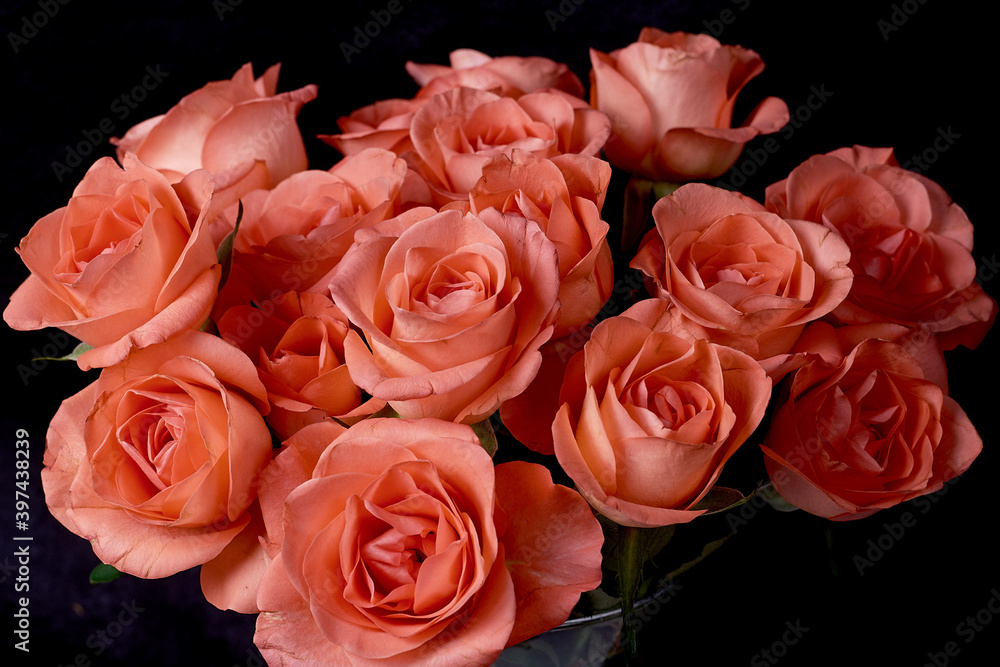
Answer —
551 561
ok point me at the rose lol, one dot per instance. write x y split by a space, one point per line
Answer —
739 274
670 97
510 76
386 123
564 196
294 234
122 265
647 419
383 124
296 340
156 462
453 309
860 428
455 133
910 244
241 130
407 546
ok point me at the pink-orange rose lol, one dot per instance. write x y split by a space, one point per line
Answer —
648 419
383 124
241 130
564 196
860 428
455 133
296 340
670 97
156 462
510 76
739 274
406 546
294 234
453 309
128 262
910 243
386 123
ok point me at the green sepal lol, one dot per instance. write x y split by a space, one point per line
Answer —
774 499
72 356
640 195
487 437
225 252
720 499
386 412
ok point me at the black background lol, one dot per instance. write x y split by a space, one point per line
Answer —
897 74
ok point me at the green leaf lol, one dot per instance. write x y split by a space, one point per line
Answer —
487 437
104 573
72 356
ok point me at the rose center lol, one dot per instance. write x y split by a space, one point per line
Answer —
114 231
679 410
152 433
886 256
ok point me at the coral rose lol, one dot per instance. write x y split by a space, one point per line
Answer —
670 97
648 419
383 124
241 130
860 428
453 309
739 274
510 76
910 244
296 341
294 234
455 133
156 462
564 196
123 264
386 123
406 546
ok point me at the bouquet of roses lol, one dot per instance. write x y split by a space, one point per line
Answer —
309 379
